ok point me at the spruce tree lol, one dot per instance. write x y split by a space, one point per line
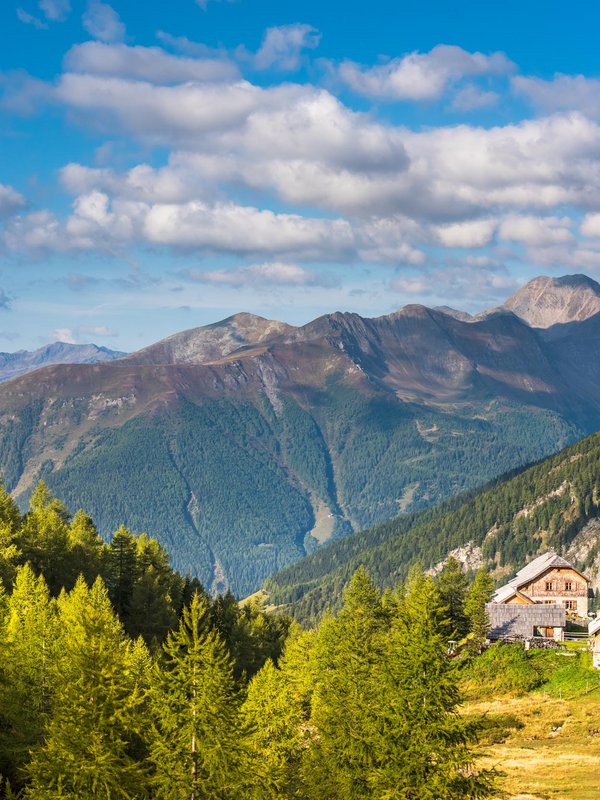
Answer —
198 748
452 586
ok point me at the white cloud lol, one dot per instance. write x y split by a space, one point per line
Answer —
227 227
562 93
469 283
146 63
590 226
66 335
102 22
259 275
282 46
55 10
536 231
471 98
475 233
10 200
420 76
29 19
158 113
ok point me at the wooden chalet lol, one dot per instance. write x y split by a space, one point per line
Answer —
547 580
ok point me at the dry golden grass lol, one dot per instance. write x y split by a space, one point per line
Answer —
556 755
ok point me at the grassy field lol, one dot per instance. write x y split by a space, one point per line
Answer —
546 744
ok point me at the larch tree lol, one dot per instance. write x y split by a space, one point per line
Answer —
27 652
348 648
424 747
198 749
93 738
277 741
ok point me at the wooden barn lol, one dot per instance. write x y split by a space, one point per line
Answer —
526 621
547 580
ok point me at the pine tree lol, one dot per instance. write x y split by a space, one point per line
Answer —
275 716
92 740
479 593
198 748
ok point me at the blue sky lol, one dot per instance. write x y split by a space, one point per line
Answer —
165 165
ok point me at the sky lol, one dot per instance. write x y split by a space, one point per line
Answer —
165 165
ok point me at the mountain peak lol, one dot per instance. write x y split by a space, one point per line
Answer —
548 301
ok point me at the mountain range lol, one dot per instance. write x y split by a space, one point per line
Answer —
14 364
245 444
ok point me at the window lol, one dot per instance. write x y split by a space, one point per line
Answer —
571 605
549 586
568 586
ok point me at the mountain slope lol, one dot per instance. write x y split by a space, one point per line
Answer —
544 302
245 444
554 504
23 361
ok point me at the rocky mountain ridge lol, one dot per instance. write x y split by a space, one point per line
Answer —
245 444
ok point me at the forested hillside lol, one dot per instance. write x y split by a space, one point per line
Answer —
550 505
120 679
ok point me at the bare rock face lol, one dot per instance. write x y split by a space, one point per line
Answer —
210 342
544 301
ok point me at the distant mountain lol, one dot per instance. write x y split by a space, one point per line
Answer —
245 444
552 505
544 302
23 361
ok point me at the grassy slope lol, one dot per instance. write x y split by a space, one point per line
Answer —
546 743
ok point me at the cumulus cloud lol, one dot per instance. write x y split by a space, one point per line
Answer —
268 274
102 22
282 47
536 231
562 93
81 333
590 226
474 233
146 64
10 200
420 76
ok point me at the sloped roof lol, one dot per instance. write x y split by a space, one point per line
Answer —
594 626
530 572
522 620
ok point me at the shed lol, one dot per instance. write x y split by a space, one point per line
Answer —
526 621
